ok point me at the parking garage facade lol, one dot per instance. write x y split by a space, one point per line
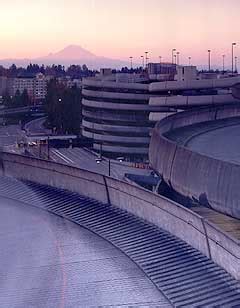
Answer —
116 117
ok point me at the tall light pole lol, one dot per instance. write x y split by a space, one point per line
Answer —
178 53
233 44
235 64
131 62
189 61
175 59
146 57
142 62
173 55
160 60
223 63
209 60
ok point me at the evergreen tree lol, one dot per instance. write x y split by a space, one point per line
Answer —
25 100
17 101
7 100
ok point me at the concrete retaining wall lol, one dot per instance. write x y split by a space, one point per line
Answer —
204 178
153 208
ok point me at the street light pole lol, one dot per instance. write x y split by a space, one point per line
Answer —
109 167
160 59
48 149
131 62
235 64
146 57
233 44
173 55
189 61
142 62
178 57
175 59
209 60
223 63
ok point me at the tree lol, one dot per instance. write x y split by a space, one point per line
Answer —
7 100
17 99
63 107
25 99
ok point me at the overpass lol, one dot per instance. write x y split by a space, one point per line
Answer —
179 251
12 111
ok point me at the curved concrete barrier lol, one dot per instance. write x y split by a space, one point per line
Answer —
193 84
211 181
94 82
155 209
115 95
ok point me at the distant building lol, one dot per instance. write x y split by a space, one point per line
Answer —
69 82
36 86
161 71
3 85
185 73
119 111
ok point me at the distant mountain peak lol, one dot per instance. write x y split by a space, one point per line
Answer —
72 52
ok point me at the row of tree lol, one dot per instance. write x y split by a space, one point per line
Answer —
18 100
74 71
63 108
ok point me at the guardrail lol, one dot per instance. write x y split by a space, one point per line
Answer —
153 208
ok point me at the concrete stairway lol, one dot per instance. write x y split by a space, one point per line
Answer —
185 276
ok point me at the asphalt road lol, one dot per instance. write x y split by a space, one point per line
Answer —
222 143
47 261
84 159
10 134
36 127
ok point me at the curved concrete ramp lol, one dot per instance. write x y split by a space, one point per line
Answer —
49 262
209 180
184 275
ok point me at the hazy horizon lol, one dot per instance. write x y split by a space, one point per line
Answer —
120 29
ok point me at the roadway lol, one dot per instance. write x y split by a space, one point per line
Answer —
9 135
48 261
84 159
36 127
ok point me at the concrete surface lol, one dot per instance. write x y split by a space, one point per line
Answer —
178 270
164 213
47 261
211 181
222 144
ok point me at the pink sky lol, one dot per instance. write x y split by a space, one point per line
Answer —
121 28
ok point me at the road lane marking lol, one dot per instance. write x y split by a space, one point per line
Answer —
63 157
